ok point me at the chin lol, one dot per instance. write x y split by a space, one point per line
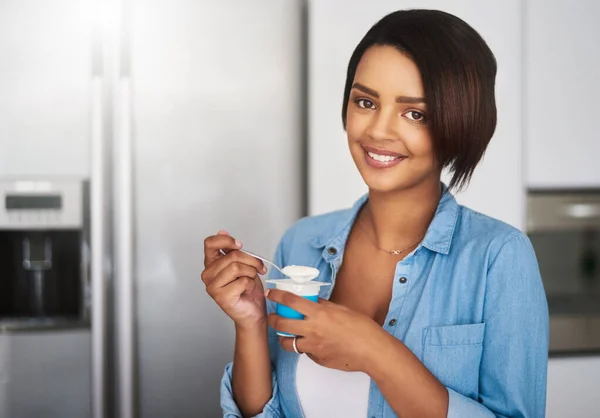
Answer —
394 180
387 185
386 181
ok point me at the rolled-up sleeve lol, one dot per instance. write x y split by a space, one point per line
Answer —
514 362
272 408
460 406
231 410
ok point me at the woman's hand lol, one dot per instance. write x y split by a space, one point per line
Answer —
330 334
232 280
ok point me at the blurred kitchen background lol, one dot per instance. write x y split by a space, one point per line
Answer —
132 129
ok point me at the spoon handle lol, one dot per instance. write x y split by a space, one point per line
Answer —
263 260
259 257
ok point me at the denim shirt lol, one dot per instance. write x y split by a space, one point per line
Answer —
468 302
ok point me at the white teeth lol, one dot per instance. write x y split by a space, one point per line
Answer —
381 158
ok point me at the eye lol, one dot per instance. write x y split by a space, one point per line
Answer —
415 116
364 103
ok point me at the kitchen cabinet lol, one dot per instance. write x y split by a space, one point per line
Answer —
4 375
45 74
336 27
561 107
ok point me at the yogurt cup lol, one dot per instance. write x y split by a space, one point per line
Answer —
308 290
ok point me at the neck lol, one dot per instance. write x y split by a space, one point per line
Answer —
400 219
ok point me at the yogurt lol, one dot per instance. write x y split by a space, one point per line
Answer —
300 274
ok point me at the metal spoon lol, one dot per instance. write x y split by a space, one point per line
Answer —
302 278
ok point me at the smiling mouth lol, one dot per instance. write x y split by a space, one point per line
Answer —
381 158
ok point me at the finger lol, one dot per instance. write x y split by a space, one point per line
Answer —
215 268
288 326
229 274
287 344
257 287
251 284
222 232
229 295
298 303
241 257
214 243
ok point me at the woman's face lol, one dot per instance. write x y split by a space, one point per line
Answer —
387 123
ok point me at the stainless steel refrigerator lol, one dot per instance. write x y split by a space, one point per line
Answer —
194 122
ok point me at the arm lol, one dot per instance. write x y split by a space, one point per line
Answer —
515 350
251 380
267 407
406 384
515 357
249 386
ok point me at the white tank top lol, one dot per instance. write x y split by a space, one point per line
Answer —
327 393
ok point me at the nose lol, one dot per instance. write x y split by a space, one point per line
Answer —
381 127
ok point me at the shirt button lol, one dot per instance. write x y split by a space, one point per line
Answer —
392 322
332 251
403 280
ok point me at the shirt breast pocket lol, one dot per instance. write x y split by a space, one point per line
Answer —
453 355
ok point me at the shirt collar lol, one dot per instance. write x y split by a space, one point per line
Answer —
438 237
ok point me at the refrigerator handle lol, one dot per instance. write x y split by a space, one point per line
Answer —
123 233
98 224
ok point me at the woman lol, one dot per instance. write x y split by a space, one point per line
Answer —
434 310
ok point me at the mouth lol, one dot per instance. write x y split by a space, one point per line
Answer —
377 158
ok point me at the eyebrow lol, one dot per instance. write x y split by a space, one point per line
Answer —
399 99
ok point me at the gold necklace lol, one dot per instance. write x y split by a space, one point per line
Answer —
392 252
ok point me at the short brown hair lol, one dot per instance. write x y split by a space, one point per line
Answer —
458 70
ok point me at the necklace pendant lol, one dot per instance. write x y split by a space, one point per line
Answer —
395 252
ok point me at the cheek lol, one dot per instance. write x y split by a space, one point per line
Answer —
420 143
355 127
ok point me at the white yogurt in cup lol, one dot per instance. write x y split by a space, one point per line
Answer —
300 274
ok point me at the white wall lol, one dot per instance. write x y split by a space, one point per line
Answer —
573 387
336 27
562 63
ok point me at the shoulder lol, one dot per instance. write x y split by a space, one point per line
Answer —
505 254
484 234
480 226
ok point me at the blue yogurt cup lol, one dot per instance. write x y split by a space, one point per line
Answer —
309 291
290 313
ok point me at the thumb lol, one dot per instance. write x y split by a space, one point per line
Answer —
258 288
325 302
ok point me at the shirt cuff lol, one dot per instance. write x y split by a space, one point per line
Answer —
460 406
230 408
